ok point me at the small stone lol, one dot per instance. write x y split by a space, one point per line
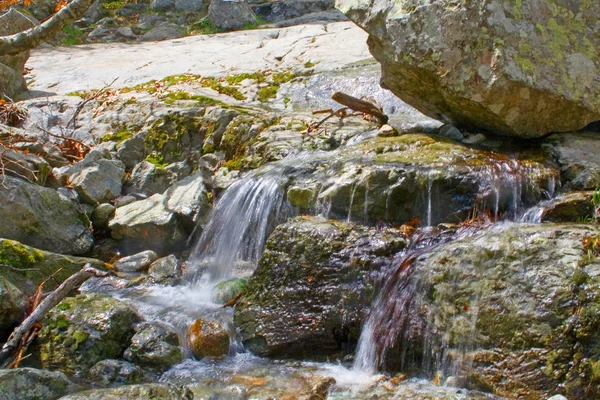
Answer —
102 214
161 5
165 270
124 200
109 372
135 263
163 32
452 132
188 5
387 131
155 345
207 338
474 139
125 32
557 397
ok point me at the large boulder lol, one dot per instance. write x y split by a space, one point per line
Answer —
513 308
316 279
155 346
82 330
41 217
230 15
34 384
28 267
510 67
11 66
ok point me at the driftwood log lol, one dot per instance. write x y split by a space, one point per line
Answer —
14 342
362 106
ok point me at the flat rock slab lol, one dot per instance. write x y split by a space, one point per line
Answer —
63 70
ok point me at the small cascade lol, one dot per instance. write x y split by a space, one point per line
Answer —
239 226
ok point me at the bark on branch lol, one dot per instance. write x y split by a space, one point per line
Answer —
30 38
13 343
359 105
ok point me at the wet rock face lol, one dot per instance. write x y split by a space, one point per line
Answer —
83 330
34 384
207 338
509 67
150 391
312 286
41 217
155 346
116 372
577 156
520 301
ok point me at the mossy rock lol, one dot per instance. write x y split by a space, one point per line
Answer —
155 346
34 384
27 267
148 391
14 305
82 330
227 290
207 338
310 291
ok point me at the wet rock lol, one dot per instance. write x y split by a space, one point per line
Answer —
163 32
147 224
387 131
576 154
314 283
207 338
82 330
136 262
274 11
166 270
131 151
475 139
503 76
106 249
41 217
102 214
188 199
452 132
34 384
154 346
147 178
524 297
188 5
150 391
569 207
14 305
26 267
227 290
116 372
229 15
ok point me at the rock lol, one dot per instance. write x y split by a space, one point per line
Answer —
229 15
102 214
163 32
129 10
475 139
452 132
131 151
99 181
312 287
207 338
106 249
22 164
576 154
274 11
136 262
149 391
41 217
162 5
116 372
27 267
166 270
557 397
147 21
94 14
188 5
155 346
34 384
125 32
124 200
147 224
82 330
227 290
387 131
508 68
569 207
14 305
11 66
510 296
188 199
147 178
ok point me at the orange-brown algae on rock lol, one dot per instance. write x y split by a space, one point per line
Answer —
207 338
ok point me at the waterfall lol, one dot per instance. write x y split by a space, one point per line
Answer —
240 223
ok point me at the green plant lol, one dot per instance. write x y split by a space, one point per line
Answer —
204 27
72 35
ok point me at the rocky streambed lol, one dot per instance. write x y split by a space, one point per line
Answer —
252 254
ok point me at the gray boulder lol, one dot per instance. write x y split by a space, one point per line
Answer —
14 305
34 384
162 5
155 346
188 5
102 214
82 330
230 15
149 391
136 262
131 151
116 372
163 32
577 156
166 270
12 81
188 198
147 178
42 218
509 67
274 11
99 181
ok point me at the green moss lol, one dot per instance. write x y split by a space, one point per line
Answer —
517 9
170 98
62 322
72 35
208 148
309 64
204 27
258 77
113 5
63 306
15 254
79 337
266 93
117 137
218 86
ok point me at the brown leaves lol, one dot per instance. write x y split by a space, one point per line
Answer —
11 114
592 245
4 4
60 4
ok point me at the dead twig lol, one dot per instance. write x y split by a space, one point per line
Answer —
11 348
362 106
89 98
233 301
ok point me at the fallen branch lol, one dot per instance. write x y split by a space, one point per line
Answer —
233 301
89 98
14 342
362 106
